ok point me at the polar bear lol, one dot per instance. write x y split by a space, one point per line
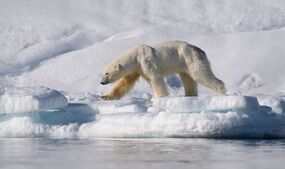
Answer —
155 62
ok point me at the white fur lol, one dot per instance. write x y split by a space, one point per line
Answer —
155 62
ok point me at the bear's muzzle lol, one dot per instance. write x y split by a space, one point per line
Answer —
104 80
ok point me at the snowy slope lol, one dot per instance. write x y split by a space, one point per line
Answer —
32 31
65 45
235 58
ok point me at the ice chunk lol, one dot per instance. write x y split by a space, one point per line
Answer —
74 113
208 103
26 127
276 103
30 99
181 104
122 106
169 124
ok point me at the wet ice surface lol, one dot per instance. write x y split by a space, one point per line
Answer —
141 153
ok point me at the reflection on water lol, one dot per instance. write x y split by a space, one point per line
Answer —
141 153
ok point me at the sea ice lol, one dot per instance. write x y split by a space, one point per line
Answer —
217 116
30 99
206 103
122 106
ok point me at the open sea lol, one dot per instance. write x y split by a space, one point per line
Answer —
165 153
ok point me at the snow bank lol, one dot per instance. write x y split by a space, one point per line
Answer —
30 99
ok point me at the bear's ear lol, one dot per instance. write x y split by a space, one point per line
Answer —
119 67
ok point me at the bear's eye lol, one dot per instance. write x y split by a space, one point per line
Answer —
107 73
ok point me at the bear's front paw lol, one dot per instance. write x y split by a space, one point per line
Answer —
106 97
222 91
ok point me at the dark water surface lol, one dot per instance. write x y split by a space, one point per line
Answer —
141 153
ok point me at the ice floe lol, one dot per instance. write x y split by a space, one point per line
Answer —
30 99
212 117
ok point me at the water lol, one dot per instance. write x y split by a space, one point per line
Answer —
17 153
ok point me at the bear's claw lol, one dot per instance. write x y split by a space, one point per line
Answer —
105 97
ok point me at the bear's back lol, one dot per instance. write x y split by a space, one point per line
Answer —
170 44
169 59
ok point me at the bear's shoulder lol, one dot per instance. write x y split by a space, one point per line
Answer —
144 49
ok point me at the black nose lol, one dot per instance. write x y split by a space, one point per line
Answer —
103 83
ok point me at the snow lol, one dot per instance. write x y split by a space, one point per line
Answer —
207 103
65 45
182 105
30 99
124 106
276 103
166 124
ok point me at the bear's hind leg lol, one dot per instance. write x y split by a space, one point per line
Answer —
123 85
200 70
202 73
207 78
189 85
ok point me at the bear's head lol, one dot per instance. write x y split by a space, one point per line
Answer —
112 73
